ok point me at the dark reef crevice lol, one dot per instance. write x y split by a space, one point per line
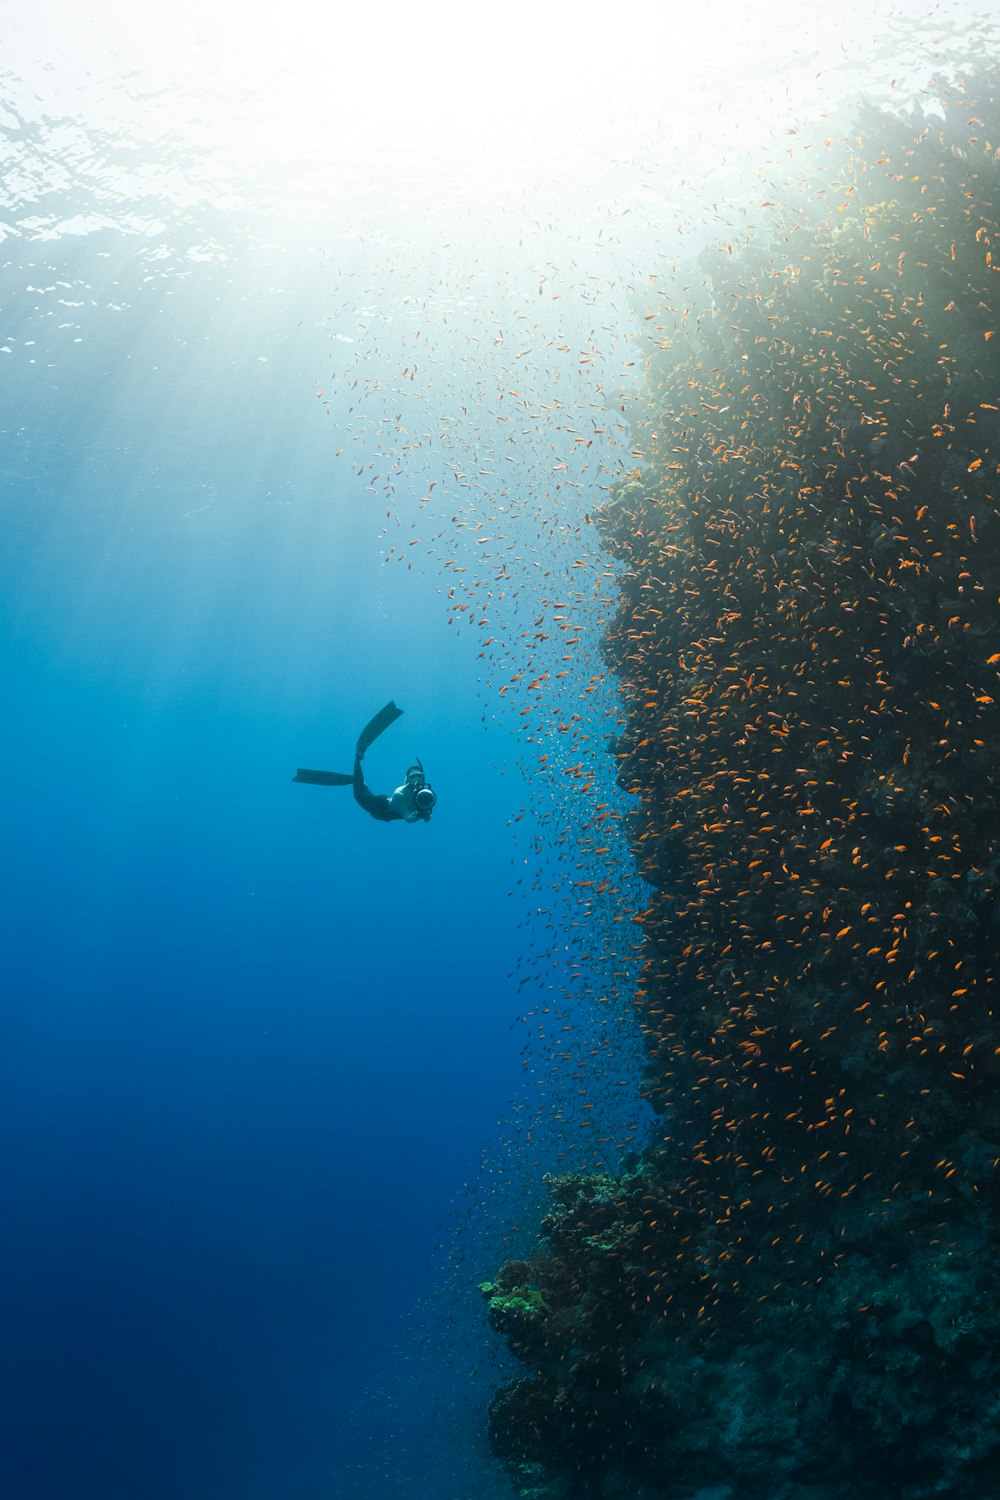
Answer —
796 1291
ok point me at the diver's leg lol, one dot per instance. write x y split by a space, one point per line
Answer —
372 802
377 726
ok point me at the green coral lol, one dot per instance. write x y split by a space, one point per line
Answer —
519 1304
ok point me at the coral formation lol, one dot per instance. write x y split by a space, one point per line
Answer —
796 1290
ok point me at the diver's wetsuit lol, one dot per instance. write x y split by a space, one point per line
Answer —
375 803
401 806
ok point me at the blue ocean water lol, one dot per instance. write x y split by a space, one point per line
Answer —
239 1014
266 1085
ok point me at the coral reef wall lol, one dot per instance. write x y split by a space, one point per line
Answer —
796 1290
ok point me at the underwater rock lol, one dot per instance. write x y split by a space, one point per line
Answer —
794 1293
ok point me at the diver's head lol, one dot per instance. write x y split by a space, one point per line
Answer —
424 801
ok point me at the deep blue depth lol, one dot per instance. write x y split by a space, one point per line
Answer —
253 1041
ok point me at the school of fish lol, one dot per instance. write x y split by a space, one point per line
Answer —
795 1281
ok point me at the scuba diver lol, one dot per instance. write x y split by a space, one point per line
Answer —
413 802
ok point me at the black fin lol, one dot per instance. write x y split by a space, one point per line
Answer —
323 778
377 726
